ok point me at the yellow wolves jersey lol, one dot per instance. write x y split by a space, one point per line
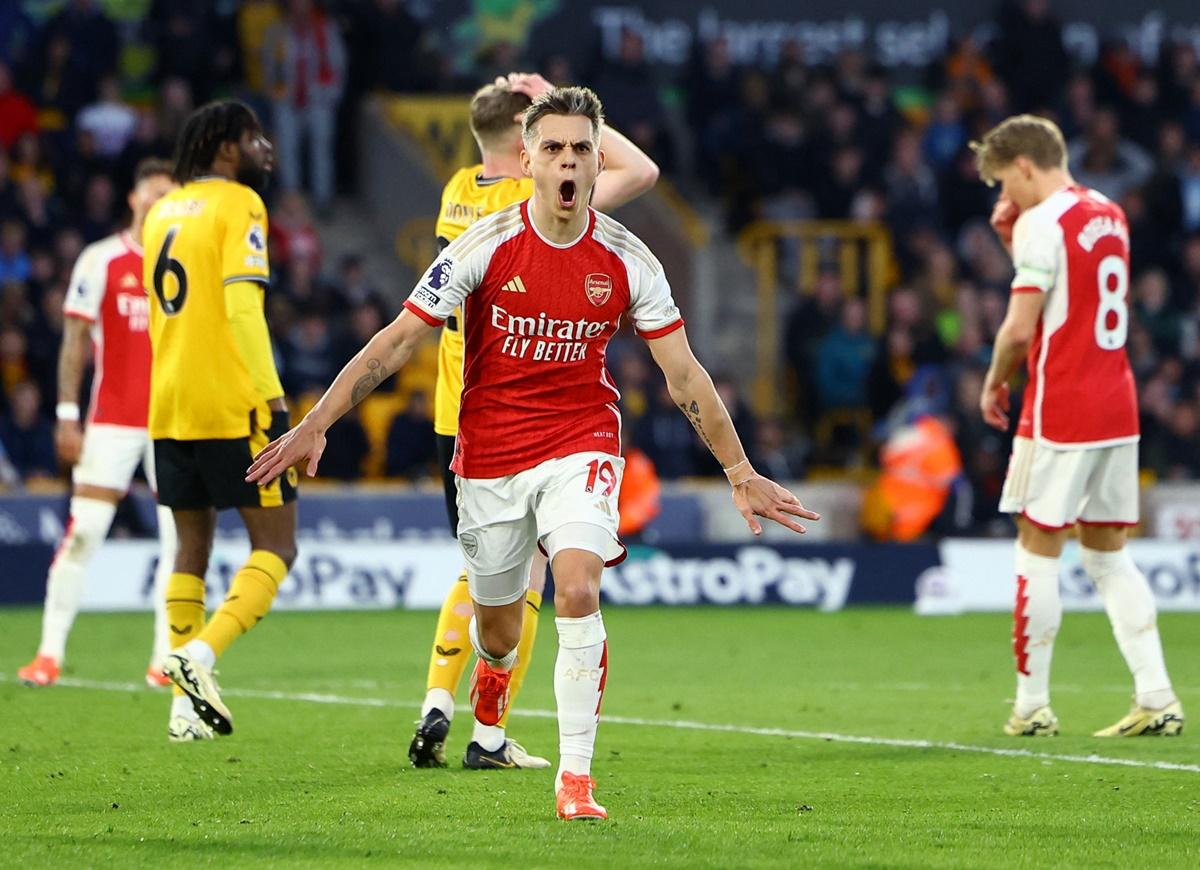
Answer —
467 197
198 238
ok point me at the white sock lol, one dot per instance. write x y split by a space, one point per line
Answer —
181 705
504 663
1130 605
490 737
579 676
162 574
1036 619
86 530
438 699
201 652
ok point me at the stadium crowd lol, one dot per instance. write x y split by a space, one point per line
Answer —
792 140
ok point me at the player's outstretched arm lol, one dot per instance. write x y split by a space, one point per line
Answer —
692 390
628 170
1012 344
383 355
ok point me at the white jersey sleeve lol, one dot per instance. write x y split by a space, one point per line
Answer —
461 267
1037 250
89 280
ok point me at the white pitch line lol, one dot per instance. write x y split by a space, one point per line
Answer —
679 724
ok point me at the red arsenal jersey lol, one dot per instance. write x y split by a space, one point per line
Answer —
537 319
106 290
1074 247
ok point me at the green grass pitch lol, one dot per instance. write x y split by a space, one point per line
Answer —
87 777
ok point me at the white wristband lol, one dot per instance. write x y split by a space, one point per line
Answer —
739 473
67 411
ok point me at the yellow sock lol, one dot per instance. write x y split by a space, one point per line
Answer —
185 610
533 607
249 599
451 646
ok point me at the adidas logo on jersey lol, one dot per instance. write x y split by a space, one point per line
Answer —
516 285
129 281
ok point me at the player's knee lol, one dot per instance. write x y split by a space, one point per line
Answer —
499 635
576 597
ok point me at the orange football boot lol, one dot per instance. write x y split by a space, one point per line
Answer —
575 801
156 679
42 671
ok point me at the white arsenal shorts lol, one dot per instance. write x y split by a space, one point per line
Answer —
111 454
564 503
1055 488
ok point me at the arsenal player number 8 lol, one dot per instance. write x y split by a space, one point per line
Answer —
1112 315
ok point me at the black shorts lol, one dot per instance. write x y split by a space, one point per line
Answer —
445 454
193 475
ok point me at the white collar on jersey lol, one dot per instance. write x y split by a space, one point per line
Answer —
587 225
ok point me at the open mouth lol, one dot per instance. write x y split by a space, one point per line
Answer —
566 194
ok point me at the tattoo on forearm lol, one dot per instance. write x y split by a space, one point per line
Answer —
692 412
368 382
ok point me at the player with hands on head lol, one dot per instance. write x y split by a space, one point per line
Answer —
543 285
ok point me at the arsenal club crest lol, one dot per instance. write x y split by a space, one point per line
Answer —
598 288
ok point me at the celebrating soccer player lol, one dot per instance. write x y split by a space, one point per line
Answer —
215 397
105 302
1075 456
472 193
543 285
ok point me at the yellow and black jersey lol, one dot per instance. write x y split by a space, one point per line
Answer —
467 197
205 236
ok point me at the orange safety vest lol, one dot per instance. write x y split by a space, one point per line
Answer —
920 462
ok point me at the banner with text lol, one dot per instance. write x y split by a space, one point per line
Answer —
348 574
977 575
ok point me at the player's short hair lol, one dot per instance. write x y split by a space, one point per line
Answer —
151 167
205 130
564 101
1038 139
493 109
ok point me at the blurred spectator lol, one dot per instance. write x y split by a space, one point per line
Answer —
308 362
1154 313
920 462
304 70
638 501
26 434
346 448
946 134
109 121
844 360
1103 160
1180 458
15 264
411 447
356 287
293 236
630 98
17 114
1029 52
188 44
394 40
665 436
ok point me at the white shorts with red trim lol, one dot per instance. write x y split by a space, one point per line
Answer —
111 455
1055 488
501 520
